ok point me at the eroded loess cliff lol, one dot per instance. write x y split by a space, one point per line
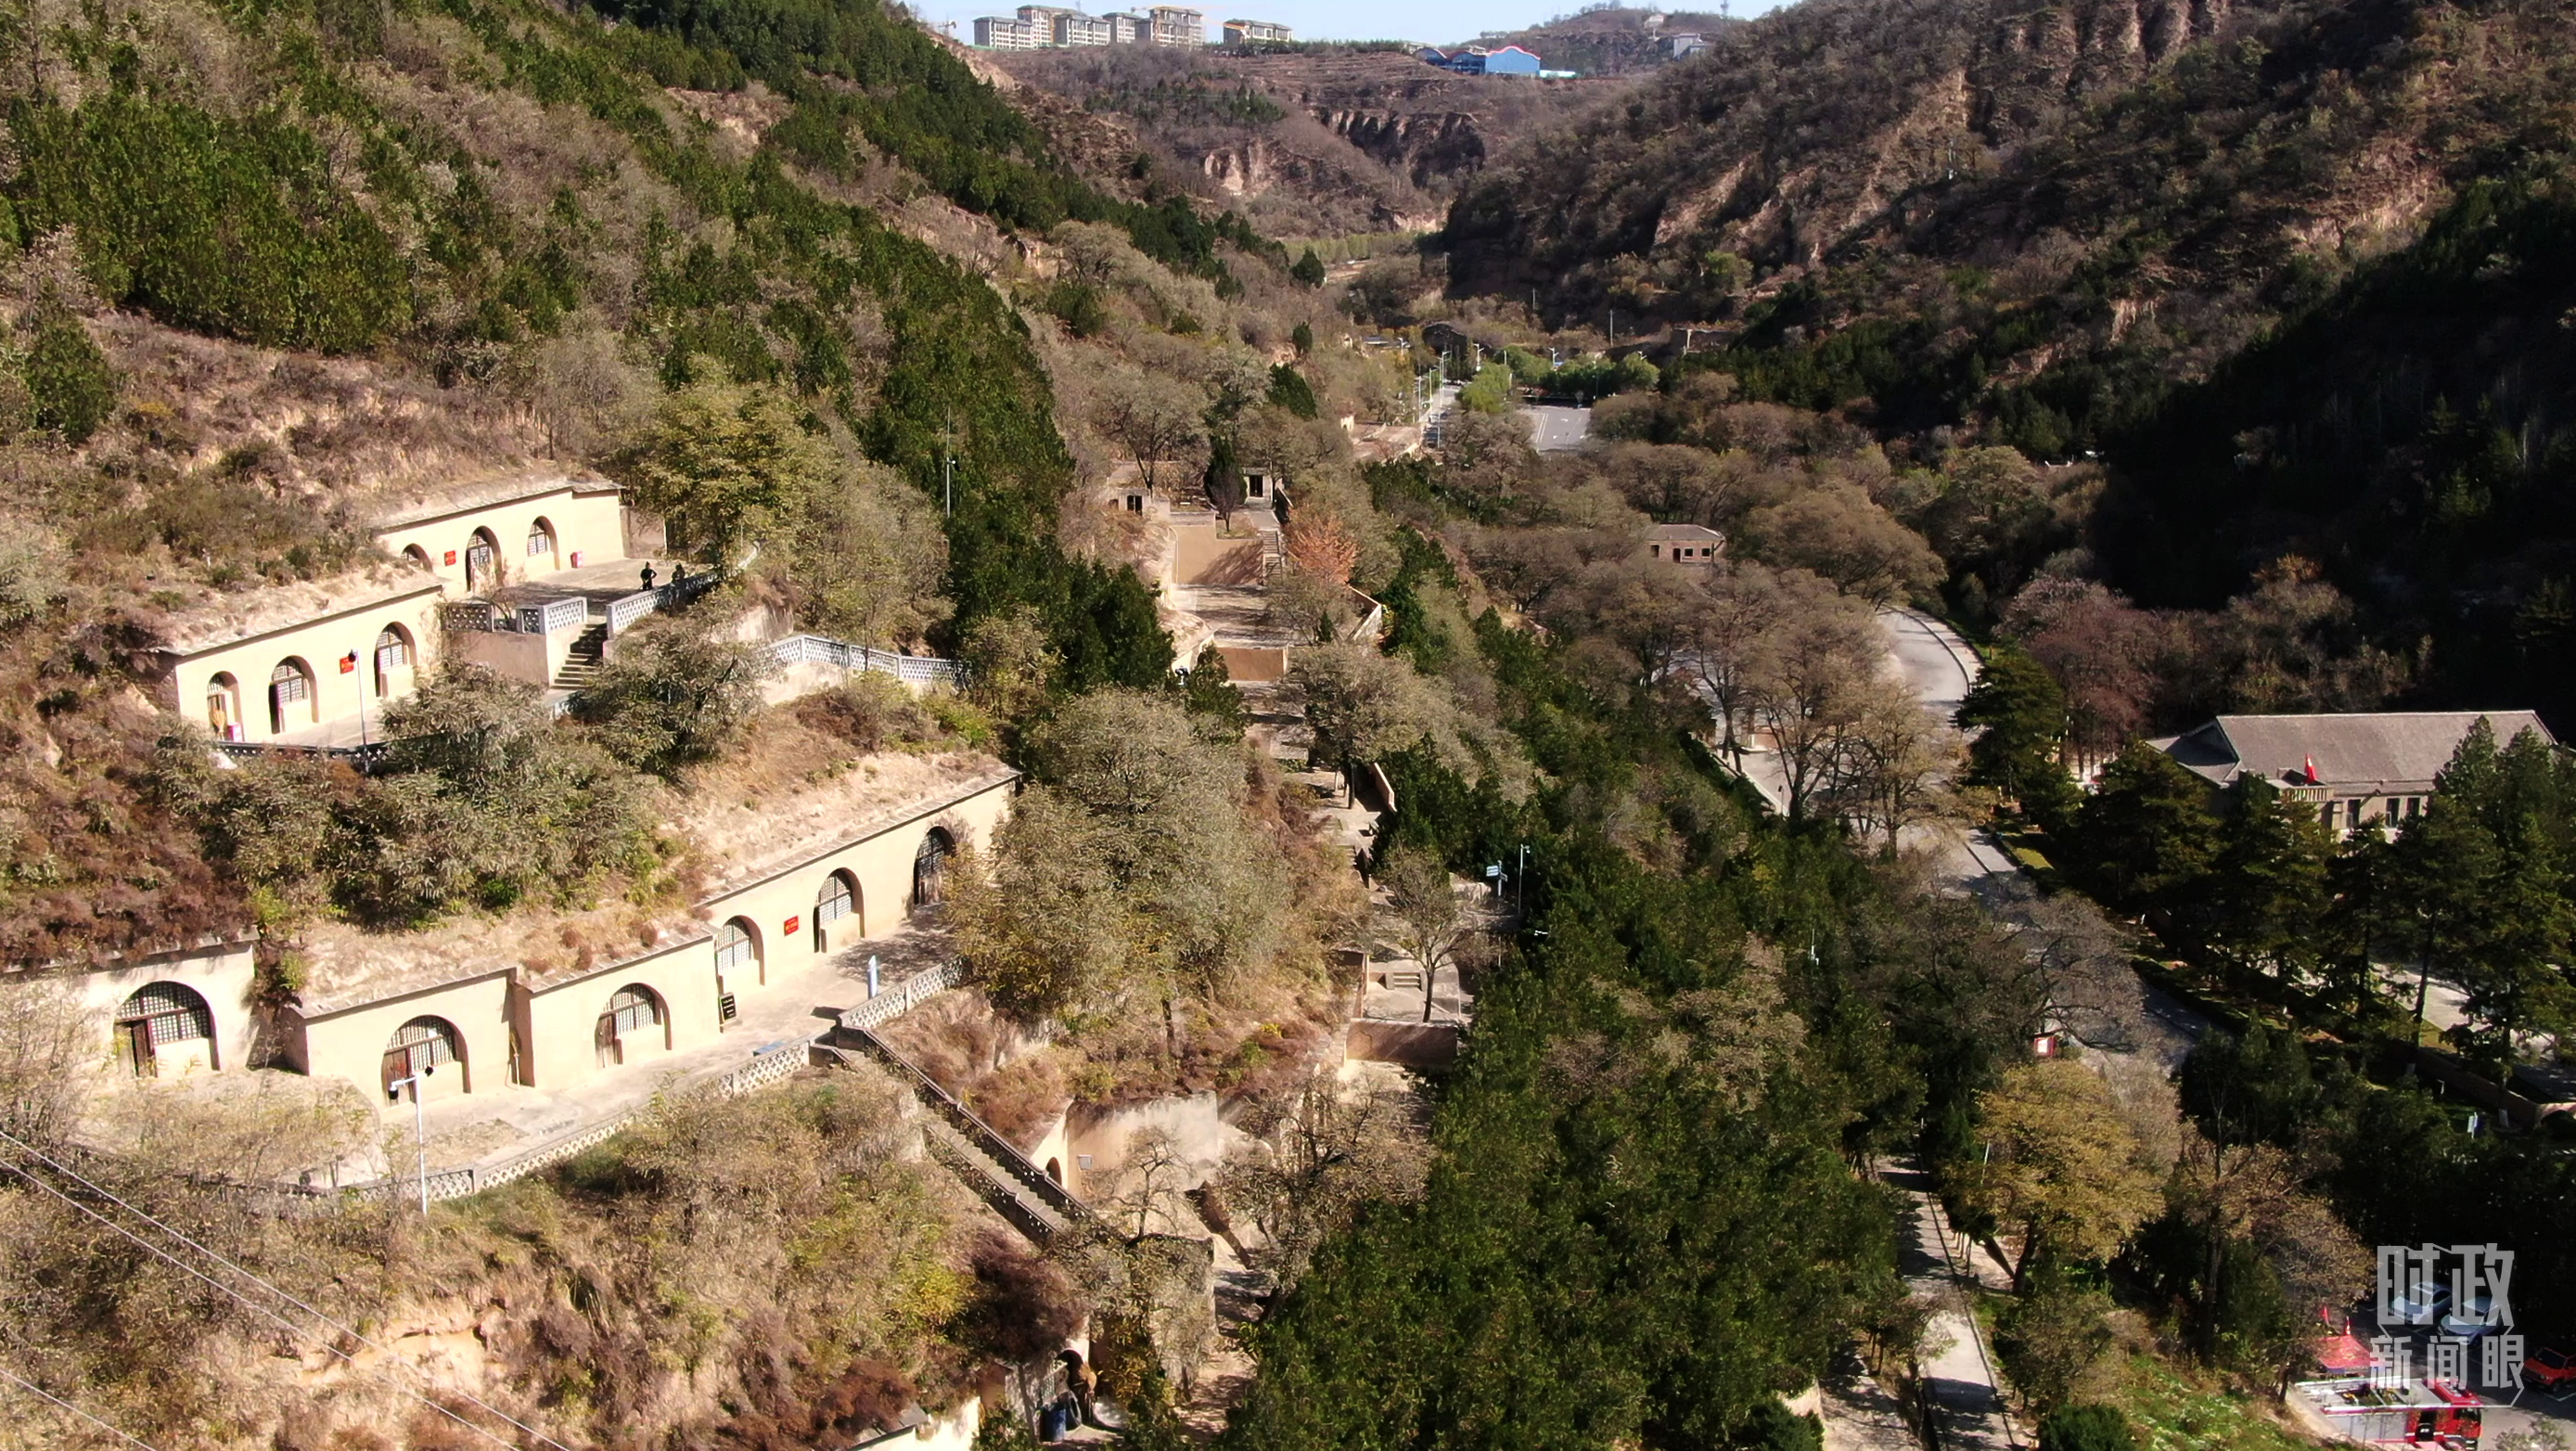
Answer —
1311 144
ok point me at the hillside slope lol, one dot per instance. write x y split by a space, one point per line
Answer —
265 274
2289 268
1310 144
1607 40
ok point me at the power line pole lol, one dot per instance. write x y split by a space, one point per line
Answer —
419 1130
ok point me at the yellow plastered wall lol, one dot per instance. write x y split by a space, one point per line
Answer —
242 669
351 1043
221 975
585 521
780 909
559 1027
536 659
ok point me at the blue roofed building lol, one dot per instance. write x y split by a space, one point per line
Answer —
1475 60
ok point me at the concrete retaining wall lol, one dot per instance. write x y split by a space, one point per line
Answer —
1414 1045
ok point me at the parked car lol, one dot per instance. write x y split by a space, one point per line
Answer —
2473 1319
2550 1371
2421 1303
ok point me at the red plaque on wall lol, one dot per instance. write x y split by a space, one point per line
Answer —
451 556
791 923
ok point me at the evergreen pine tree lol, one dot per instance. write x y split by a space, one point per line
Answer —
2512 980
1309 270
2023 711
2147 836
68 379
2364 920
2447 860
1212 693
2271 879
1289 390
1223 480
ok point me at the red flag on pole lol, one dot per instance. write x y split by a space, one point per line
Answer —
2312 770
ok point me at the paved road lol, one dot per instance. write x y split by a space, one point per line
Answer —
1435 414
1555 428
1933 659
1959 1377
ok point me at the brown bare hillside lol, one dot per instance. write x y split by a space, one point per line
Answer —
1316 144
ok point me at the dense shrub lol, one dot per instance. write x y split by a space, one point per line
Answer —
68 380
2086 1428
226 226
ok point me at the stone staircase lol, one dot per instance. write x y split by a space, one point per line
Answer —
583 661
1038 1207
981 1172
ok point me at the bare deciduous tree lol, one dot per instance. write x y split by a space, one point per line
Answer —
46 1038
1423 904
1315 1154
1151 417
1812 692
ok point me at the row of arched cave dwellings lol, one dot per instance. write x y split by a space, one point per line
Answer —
293 698
171 1021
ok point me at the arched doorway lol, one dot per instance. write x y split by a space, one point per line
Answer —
428 1045
541 547
838 901
930 867
482 561
394 662
1055 1170
159 1017
291 701
416 555
634 1016
737 951
223 707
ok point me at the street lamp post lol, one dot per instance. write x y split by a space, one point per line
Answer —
419 1133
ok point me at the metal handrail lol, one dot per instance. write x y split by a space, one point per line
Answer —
977 1132
823 650
364 759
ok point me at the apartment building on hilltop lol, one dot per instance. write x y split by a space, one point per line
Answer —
1041 27
1255 32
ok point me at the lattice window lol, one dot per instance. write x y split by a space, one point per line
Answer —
169 1012
420 1044
289 685
837 901
541 540
633 1009
930 867
392 651
733 948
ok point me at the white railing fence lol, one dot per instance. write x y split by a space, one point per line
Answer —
553 617
911 669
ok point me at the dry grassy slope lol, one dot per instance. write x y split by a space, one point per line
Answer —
1611 41
1797 134
2241 130
1370 141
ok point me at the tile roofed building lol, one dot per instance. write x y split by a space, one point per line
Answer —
2346 763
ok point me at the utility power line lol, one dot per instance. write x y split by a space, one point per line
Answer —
301 1331
29 1385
